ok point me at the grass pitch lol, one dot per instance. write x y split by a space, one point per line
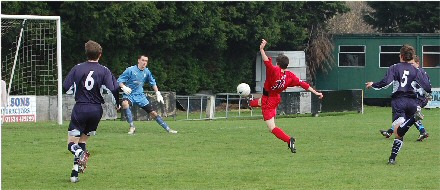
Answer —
334 151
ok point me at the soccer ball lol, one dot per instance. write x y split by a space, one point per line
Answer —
243 90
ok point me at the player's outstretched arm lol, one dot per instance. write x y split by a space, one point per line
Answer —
385 82
368 85
316 93
263 53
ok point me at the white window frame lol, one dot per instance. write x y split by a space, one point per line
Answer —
380 53
364 52
429 53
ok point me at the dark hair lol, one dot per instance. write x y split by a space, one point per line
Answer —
407 52
93 50
145 55
416 59
282 61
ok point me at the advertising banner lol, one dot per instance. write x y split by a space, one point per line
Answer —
20 109
435 101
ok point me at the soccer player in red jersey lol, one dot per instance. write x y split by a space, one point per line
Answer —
278 78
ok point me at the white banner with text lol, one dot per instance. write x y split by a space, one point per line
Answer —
20 109
435 101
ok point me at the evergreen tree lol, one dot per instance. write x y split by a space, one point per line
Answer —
405 17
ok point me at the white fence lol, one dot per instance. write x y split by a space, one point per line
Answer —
222 105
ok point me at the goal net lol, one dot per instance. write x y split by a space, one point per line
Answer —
31 56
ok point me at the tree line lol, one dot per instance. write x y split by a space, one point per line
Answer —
192 45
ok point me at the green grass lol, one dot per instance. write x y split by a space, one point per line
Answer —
335 151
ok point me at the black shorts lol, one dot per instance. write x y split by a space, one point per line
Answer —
404 107
85 118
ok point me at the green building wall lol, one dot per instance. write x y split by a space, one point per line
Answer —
345 78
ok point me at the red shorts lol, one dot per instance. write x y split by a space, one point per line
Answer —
269 105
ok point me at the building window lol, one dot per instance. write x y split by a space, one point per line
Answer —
351 56
389 55
431 56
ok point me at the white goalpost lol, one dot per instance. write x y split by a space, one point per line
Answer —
31 56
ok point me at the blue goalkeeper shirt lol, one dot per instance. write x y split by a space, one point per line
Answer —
135 79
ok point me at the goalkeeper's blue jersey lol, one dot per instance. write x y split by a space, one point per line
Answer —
135 79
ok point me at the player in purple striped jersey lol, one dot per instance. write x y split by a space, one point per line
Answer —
404 98
422 97
87 80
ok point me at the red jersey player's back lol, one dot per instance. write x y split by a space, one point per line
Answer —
278 80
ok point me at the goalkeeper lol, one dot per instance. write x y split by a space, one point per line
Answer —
131 82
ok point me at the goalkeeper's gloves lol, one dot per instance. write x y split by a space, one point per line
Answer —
159 97
126 90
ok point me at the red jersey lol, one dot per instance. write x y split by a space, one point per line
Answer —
277 81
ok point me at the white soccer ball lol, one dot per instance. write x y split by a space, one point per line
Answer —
243 90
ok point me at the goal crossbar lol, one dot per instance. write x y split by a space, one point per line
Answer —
30 17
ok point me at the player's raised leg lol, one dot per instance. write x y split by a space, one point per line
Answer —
280 134
387 133
255 102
